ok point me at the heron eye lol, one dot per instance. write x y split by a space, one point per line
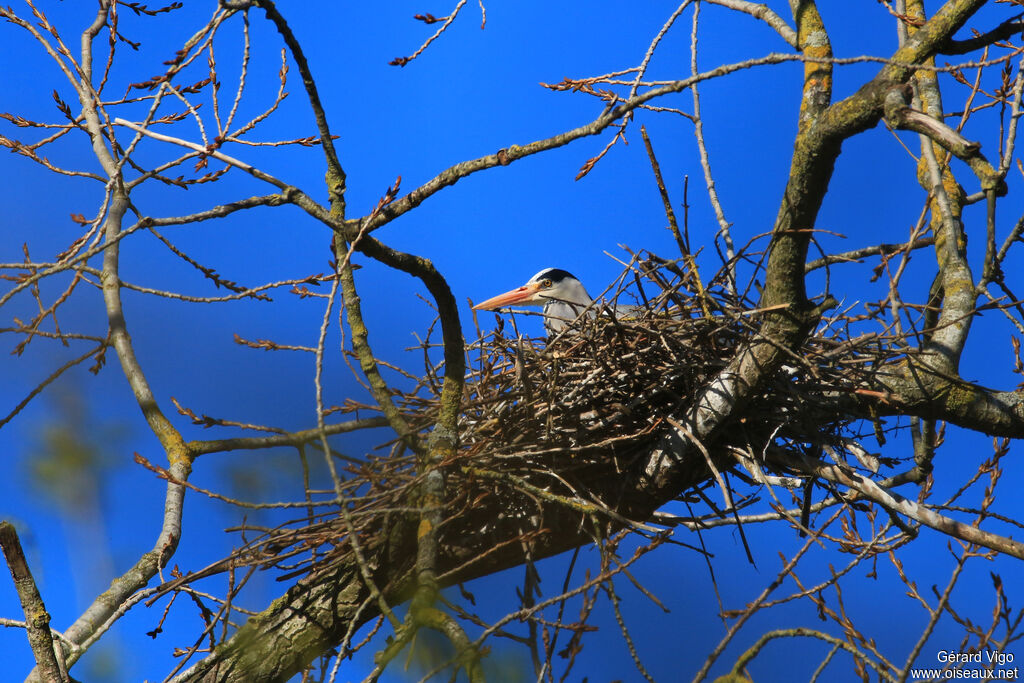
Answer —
545 283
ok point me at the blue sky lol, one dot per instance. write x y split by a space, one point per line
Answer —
472 93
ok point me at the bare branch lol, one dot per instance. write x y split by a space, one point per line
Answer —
37 620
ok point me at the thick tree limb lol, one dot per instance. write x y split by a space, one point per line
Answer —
915 388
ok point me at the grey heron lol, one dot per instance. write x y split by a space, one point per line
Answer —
560 293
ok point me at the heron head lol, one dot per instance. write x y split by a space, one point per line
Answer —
550 284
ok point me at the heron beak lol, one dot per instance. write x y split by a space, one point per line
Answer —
522 296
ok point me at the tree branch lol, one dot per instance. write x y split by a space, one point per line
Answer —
1007 29
904 506
37 619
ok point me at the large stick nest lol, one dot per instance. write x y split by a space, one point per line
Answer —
566 422
603 393
554 430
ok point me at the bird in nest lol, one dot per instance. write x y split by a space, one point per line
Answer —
558 291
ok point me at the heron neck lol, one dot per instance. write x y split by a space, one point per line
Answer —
559 314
